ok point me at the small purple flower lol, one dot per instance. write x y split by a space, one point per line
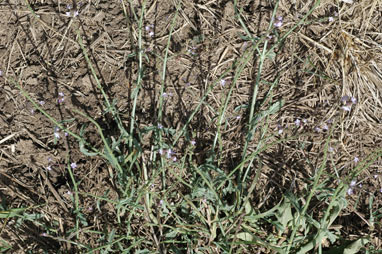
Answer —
174 159
350 191
223 82
297 122
345 98
353 100
69 193
56 135
49 168
166 95
161 152
66 134
67 13
356 159
331 19
279 21
161 202
41 103
346 108
44 234
169 153
61 94
1 73
278 24
73 165
280 129
331 149
353 183
151 33
325 127
193 142
317 129
160 126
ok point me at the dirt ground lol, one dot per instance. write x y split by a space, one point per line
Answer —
319 63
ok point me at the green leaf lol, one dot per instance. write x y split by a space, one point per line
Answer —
245 236
84 150
355 246
284 214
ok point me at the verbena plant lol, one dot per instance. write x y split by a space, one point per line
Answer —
210 211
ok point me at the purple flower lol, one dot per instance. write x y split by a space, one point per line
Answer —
161 152
41 103
49 168
56 135
345 98
73 165
331 19
223 82
297 122
356 159
280 129
160 126
346 108
193 142
169 153
278 24
350 191
174 159
353 183
353 100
